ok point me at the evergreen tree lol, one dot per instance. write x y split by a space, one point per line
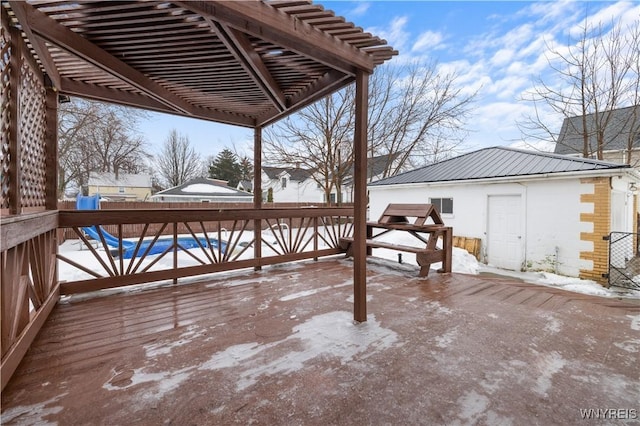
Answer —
246 168
226 167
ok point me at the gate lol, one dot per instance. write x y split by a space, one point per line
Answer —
624 262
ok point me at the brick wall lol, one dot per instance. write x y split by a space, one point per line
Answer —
601 220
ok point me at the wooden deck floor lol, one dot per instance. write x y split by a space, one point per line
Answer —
280 347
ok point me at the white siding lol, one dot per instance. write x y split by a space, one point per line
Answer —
551 219
294 192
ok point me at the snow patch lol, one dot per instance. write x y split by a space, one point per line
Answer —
32 414
635 322
446 339
332 334
163 382
548 365
632 345
154 349
553 325
205 188
472 405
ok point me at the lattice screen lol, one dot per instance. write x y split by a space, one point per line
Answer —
32 135
32 126
5 72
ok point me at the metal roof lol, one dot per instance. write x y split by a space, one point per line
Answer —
247 63
497 162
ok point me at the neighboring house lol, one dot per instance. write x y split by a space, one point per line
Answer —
120 187
293 184
531 210
245 185
290 184
203 190
623 129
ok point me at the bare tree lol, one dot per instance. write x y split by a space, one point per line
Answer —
418 113
178 161
317 138
591 77
416 116
95 136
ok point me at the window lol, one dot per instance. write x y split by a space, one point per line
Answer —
284 182
443 205
121 190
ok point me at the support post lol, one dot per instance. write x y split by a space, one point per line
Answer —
15 197
360 199
257 193
51 141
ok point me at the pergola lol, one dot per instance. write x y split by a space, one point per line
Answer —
245 63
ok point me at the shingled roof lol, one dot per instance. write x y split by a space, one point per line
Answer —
621 123
295 173
497 162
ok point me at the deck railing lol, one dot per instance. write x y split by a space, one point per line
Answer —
191 241
28 282
180 243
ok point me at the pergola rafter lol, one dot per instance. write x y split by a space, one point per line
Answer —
202 59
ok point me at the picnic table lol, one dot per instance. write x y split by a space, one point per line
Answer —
396 217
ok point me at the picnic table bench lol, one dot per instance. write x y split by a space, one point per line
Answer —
396 218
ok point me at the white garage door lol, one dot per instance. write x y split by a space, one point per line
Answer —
504 236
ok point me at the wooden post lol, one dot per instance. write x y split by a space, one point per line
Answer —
15 198
175 249
51 141
257 193
360 199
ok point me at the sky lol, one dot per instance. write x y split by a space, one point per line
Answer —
496 48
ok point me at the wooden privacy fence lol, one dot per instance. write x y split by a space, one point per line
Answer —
472 245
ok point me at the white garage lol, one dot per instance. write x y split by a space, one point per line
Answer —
531 210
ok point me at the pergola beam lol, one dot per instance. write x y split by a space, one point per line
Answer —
260 20
39 46
91 91
324 86
61 36
241 49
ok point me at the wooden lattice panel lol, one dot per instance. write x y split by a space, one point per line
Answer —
32 135
5 73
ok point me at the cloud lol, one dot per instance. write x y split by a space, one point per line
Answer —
604 16
502 57
428 40
395 34
555 12
360 9
506 88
